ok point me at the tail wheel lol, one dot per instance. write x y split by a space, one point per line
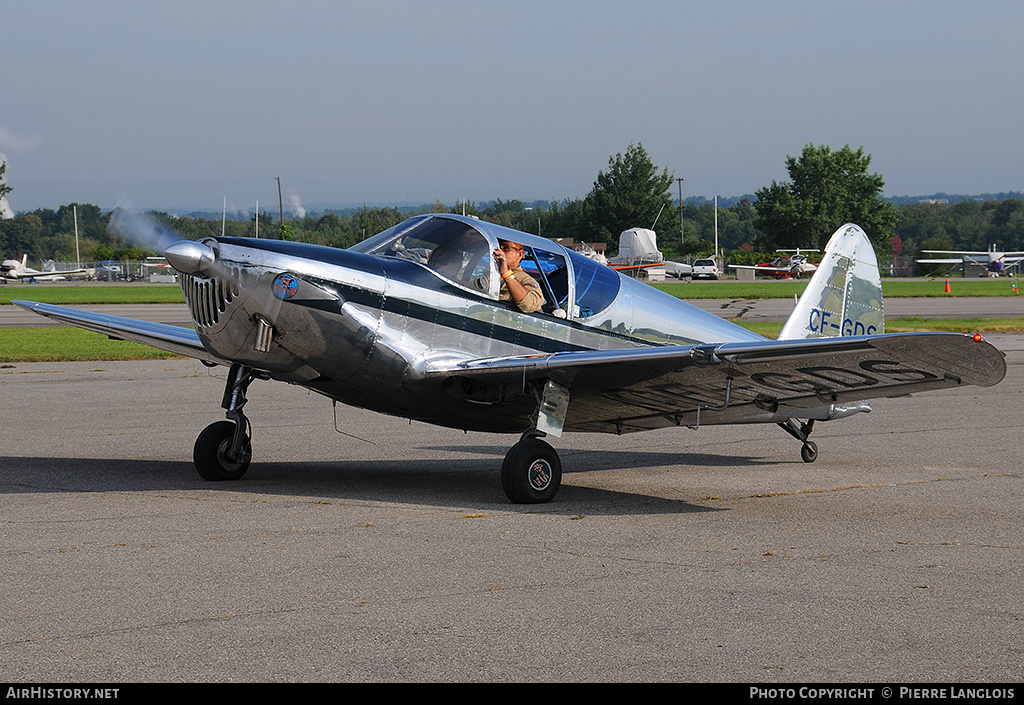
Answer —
212 453
531 473
809 452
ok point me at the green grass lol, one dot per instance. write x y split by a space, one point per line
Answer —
915 324
66 344
143 293
91 294
63 343
891 288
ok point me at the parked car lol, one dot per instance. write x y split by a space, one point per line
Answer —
108 271
705 269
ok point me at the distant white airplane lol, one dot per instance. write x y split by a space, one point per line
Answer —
993 260
590 253
13 269
783 267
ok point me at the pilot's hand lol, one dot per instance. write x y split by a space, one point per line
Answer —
499 258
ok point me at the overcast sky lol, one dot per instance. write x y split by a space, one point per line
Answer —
183 104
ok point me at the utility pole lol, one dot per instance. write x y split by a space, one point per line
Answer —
280 202
78 256
716 228
682 235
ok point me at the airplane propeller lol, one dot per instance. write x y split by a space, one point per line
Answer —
190 257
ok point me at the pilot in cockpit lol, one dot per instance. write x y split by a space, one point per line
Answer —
516 285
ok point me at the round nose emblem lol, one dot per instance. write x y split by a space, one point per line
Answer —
285 286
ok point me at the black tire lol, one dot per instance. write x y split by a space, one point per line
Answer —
210 454
809 452
531 473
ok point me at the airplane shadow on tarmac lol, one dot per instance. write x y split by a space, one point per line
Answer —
436 481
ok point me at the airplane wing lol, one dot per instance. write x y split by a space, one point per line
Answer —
623 267
644 388
175 339
765 270
11 274
966 253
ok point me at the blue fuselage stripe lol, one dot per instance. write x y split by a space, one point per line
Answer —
416 276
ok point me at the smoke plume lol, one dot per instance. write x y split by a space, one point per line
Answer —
6 212
141 230
296 205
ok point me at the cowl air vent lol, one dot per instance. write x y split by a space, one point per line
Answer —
208 298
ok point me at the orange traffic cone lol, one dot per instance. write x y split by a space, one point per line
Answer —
948 290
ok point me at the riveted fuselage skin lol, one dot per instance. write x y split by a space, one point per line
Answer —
363 328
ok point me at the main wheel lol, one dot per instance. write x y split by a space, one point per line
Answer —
809 452
212 453
531 473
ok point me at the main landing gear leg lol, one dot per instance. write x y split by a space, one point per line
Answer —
223 450
809 449
532 472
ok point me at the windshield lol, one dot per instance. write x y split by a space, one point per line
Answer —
551 272
454 249
597 285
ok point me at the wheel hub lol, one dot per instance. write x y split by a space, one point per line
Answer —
231 462
540 474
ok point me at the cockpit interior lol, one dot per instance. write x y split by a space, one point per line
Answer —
458 249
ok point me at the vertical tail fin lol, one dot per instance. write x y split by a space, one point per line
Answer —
844 297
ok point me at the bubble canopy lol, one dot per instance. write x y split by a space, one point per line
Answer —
459 249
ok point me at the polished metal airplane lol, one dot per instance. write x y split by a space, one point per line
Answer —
409 323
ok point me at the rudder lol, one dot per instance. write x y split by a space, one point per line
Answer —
844 297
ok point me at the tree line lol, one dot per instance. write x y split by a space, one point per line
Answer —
826 189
